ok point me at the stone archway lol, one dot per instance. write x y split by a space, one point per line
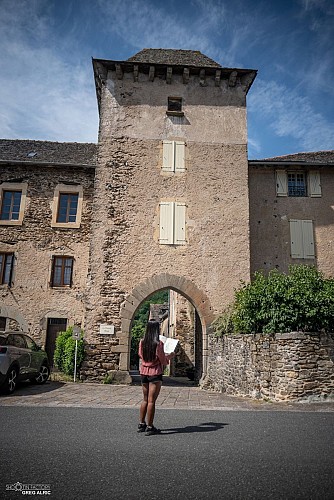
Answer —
147 288
13 313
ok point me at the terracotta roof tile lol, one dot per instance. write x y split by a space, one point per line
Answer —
315 156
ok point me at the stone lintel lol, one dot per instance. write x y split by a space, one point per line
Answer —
202 81
119 71
217 77
232 79
151 73
169 74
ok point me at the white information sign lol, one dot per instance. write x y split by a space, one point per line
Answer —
107 329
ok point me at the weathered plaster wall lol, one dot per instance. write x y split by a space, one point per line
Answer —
269 222
279 366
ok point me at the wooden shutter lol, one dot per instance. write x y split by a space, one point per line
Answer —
168 156
314 184
166 222
296 239
179 156
281 183
308 239
179 223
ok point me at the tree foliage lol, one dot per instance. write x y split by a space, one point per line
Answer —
302 300
65 352
140 321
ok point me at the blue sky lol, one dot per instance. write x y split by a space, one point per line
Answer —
46 80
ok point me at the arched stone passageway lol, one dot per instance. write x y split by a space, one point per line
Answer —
180 285
13 314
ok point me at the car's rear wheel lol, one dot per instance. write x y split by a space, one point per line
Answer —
43 374
11 380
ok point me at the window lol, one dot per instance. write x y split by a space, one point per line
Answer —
13 197
294 183
11 202
175 106
6 268
62 269
173 156
67 206
302 241
172 223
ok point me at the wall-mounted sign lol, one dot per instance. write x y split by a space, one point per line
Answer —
107 329
76 332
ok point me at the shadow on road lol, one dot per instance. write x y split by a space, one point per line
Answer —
205 427
25 388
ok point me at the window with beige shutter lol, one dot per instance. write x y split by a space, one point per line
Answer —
172 223
298 183
302 239
173 156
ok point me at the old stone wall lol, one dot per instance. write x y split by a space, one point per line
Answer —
125 247
35 242
279 366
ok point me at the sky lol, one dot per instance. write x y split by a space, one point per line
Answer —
47 87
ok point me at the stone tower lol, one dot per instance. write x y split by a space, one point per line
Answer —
171 205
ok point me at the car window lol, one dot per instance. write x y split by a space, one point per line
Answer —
30 343
17 341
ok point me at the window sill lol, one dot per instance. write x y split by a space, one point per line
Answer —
174 113
66 225
11 222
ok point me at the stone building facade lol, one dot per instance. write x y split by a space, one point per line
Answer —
167 199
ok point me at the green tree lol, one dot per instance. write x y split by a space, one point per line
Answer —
140 321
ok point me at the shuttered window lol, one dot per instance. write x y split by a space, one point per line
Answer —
173 156
294 183
302 239
314 184
172 223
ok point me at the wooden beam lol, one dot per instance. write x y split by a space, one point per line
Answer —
135 73
185 75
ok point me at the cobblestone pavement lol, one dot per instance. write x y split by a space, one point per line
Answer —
184 396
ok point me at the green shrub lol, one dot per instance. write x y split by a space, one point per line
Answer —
65 352
302 300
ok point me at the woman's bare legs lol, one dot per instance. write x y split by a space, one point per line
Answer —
153 393
143 406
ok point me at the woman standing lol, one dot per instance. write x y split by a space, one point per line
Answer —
153 359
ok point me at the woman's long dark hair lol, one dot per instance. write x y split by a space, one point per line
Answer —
151 340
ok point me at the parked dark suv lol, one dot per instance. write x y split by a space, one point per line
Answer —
20 359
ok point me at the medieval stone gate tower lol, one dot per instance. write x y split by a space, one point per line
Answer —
171 192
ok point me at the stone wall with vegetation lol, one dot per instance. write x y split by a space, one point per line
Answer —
281 366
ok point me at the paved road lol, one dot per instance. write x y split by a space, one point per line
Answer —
95 453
